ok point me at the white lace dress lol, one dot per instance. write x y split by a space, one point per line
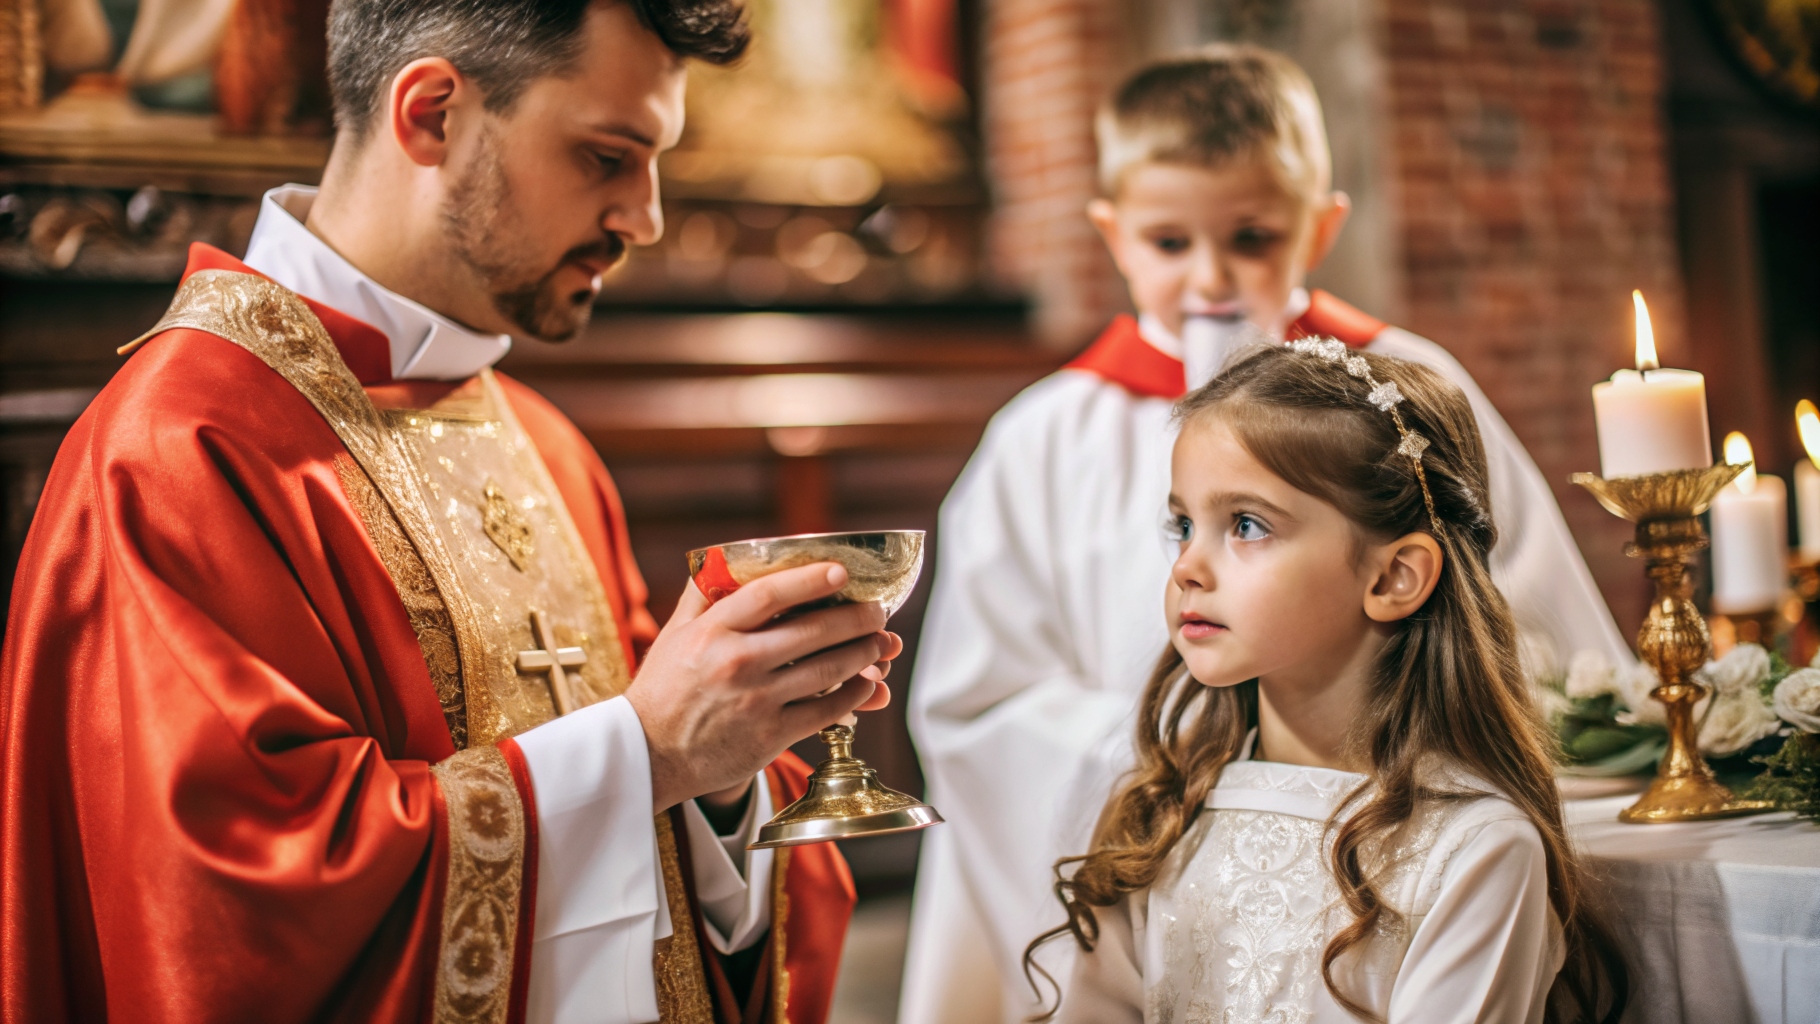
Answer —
1234 928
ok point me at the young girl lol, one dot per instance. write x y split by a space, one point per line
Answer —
1348 812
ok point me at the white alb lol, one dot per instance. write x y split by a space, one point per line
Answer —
1234 929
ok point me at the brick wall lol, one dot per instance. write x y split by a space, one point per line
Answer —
1529 148
1525 188
1047 64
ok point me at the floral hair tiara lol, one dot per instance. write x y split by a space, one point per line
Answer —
1386 396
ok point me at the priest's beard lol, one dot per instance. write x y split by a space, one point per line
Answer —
487 233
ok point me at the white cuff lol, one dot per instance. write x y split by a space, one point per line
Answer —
599 886
736 904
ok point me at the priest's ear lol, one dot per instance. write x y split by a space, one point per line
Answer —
424 94
1400 575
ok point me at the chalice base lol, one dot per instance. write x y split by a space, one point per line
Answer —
1690 797
844 800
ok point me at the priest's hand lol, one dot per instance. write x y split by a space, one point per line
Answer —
727 688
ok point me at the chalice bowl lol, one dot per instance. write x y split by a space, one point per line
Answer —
844 800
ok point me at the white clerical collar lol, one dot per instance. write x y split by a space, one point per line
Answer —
425 344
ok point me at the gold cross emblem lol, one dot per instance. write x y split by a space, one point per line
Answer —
547 657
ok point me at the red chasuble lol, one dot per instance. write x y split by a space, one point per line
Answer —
217 727
1122 356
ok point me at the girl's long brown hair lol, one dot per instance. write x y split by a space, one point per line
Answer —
1447 688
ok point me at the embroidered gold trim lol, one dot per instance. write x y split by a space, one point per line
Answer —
274 324
429 616
780 919
620 674
682 982
506 527
480 905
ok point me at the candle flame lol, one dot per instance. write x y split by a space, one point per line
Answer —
1646 335
1738 453
1807 418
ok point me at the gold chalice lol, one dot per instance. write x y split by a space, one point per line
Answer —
845 799
1674 639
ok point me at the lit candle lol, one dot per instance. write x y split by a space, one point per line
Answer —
1750 538
1807 481
1651 420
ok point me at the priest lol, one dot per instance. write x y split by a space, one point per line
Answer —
329 690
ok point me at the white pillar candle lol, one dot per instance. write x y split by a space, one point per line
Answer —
1750 539
1807 480
1807 509
1651 420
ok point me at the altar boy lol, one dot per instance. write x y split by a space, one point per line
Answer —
1047 614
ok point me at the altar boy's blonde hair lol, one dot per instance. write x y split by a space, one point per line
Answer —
1222 102
1446 691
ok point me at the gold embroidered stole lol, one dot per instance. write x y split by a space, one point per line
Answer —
507 607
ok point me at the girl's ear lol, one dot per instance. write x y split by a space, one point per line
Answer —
1406 571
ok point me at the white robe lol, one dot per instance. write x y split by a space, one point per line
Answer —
1235 926
1044 623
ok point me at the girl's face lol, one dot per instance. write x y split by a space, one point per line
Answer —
1269 580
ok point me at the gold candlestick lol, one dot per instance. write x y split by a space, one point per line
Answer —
844 800
1673 640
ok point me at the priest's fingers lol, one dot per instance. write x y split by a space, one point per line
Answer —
808 717
800 636
688 608
890 655
826 671
758 602
880 699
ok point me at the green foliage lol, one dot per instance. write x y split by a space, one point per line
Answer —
1590 733
1779 668
1791 777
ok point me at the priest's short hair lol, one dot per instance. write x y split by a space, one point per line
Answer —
1214 104
503 45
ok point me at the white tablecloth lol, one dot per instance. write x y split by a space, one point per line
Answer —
1720 919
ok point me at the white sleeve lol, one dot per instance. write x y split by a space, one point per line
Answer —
738 912
1537 563
1108 984
1488 950
598 883
1004 718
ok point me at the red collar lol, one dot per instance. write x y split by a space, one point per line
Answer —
1122 356
362 346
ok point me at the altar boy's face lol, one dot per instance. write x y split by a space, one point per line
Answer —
1228 240
1268 579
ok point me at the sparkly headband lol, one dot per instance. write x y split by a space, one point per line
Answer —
1386 396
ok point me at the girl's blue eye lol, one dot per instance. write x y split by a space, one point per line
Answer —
1246 528
1178 529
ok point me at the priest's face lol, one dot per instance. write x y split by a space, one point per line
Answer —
1268 580
1229 241
547 197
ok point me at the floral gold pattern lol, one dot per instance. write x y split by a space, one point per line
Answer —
506 527
480 905
429 616
682 984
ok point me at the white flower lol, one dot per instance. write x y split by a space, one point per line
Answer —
1738 719
1798 699
1742 669
1589 675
